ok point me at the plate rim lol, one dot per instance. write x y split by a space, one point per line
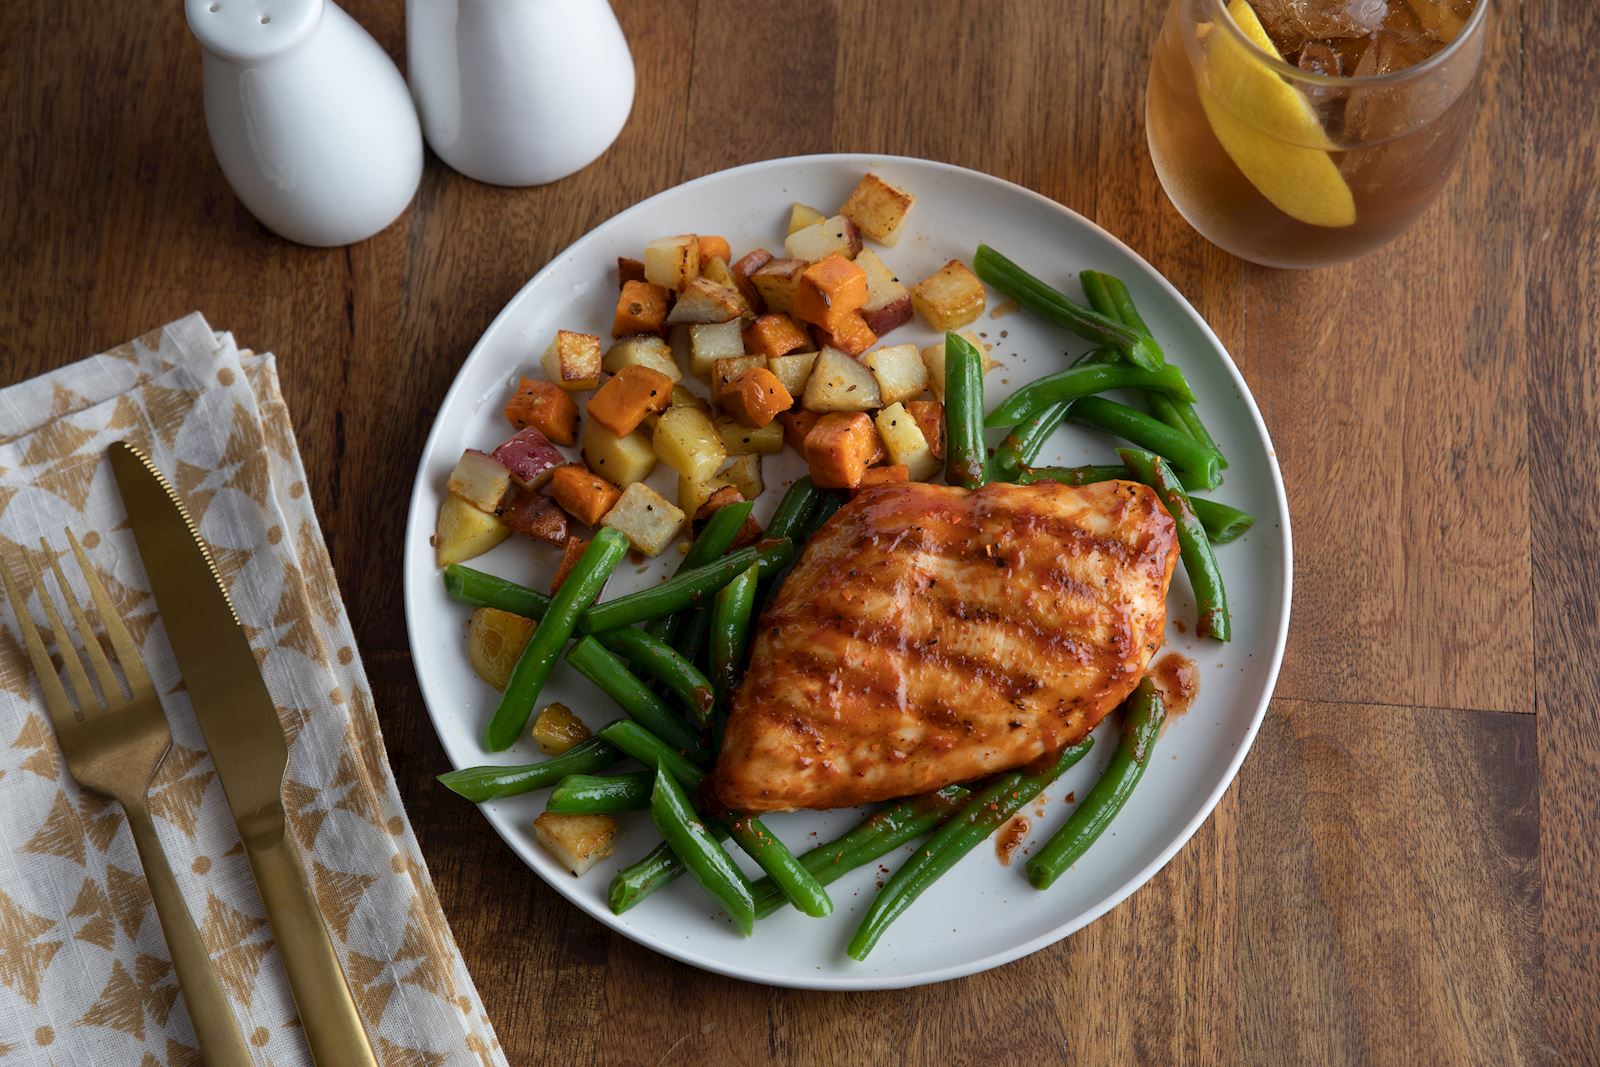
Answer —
990 961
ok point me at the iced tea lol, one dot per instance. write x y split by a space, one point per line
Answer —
1298 133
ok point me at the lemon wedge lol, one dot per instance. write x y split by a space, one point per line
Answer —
1268 129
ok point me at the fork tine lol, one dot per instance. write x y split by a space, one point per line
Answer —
55 697
110 688
121 641
69 653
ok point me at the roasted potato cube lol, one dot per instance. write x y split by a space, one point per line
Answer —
822 239
930 420
755 398
711 342
546 407
950 297
534 514
839 449
693 493
801 216
744 474
628 396
900 372
703 300
687 441
830 289
619 460
530 457
742 269
796 425
464 531
726 369
641 308
891 474
793 370
558 730
776 282
774 334
641 350
479 479
495 640
888 302
933 359
718 272
851 335
739 440
905 442
571 552
878 208
840 383
572 360
583 494
646 518
577 842
714 248
629 270
672 262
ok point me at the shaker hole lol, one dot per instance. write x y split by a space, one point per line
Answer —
265 19
214 7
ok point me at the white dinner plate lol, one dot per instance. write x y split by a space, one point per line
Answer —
982 913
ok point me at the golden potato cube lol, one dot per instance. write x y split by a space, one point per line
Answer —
464 532
578 842
950 297
878 208
900 372
646 518
495 639
672 261
743 472
801 216
573 360
619 460
557 729
642 350
905 442
840 383
741 440
687 441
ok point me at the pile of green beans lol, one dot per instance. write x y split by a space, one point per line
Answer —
1143 714
966 463
1200 466
1086 379
607 671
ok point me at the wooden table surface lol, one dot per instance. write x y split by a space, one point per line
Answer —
1408 866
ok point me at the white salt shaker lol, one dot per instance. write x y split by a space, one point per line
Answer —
309 118
518 92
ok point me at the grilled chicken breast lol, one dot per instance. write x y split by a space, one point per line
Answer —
930 635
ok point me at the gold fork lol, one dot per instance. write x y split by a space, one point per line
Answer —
115 749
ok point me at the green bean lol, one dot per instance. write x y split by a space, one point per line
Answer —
799 501
1097 356
589 794
700 852
634 740
1197 429
965 462
479 784
686 589
1223 522
797 884
1095 472
486 591
1141 725
692 642
658 867
607 670
1198 464
663 663
1057 308
829 501
1084 380
539 655
983 815
715 539
1122 301
1021 446
730 631
1211 599
875 836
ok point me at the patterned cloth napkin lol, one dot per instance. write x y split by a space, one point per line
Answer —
85 977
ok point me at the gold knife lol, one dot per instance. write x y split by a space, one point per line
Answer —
242 731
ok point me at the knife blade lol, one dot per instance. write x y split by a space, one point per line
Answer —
242 730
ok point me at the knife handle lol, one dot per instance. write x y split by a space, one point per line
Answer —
211 1014
327 1011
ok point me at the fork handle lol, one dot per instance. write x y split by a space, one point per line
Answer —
327 1010
221 1043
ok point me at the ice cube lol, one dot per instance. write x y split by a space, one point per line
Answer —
1291 23
1318 57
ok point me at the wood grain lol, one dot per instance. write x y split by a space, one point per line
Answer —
1400 874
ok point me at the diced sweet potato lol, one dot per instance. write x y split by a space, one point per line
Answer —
839 449
950 297
755 397
628 396
545 407
776 282
629 270
887 475
796 425
672 262
715 248
830 289
773 335
877 208
742 269
585 495
930 420
537 516
571 552
641 308
572 360
850 335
